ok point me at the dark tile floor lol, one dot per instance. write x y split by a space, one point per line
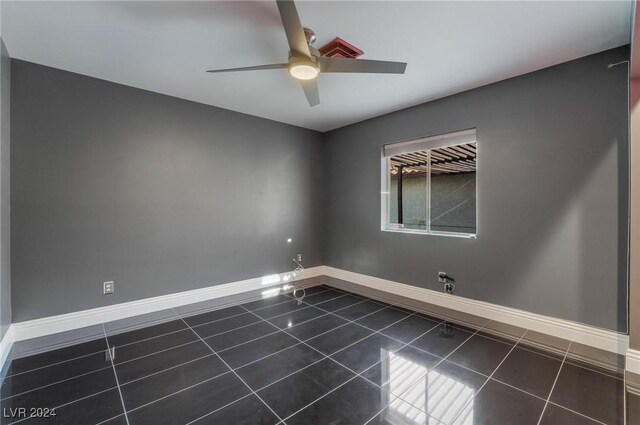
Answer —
336 358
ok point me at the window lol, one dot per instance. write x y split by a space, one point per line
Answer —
429 185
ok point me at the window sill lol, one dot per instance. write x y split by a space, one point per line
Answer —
432 233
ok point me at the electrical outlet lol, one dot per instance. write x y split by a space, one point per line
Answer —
108 288
299 258
442 277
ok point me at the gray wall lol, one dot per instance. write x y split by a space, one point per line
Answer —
159 194
164 195
5 227
552 194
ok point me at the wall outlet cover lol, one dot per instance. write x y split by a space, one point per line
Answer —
108 288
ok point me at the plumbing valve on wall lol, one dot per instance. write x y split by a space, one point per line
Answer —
298 293
296 274
448 282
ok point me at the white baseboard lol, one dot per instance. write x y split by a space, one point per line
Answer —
5 345
585 334
80 319
578 332
633 361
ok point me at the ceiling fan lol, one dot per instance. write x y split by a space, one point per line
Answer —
306 62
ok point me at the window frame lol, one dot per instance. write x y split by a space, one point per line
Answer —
438 141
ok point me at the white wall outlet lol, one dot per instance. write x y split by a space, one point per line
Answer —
108 288
299 258
442 277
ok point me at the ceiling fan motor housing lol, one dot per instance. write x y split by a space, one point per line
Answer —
304 68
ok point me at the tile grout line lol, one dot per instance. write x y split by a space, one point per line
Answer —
413 313
278 329
511 386
382 306
154 337
300 341
269 355
208 379
327 313
442 359
200 324
554 383
325 356
368 368
349 369
438 316
196 384
494 336
363 326
328 356
177 317
57 363
475 371
219 409
338 327
542 352
74 401
594 368
233 371
267 320
115 374
303 342
576 412
180 391
146 339
490 376
55 383
394 397
207 337
456 323
164 350
164 370
101 351
125 362
110 419
234 304
274 332
531 394
246 342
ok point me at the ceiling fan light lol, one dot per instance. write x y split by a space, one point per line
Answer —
304 71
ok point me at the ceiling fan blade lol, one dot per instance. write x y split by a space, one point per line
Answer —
310 88
328 64
293 28
253 68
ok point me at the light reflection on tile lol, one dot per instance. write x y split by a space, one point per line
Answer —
441 393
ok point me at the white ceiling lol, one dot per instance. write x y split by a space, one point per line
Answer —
449 46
